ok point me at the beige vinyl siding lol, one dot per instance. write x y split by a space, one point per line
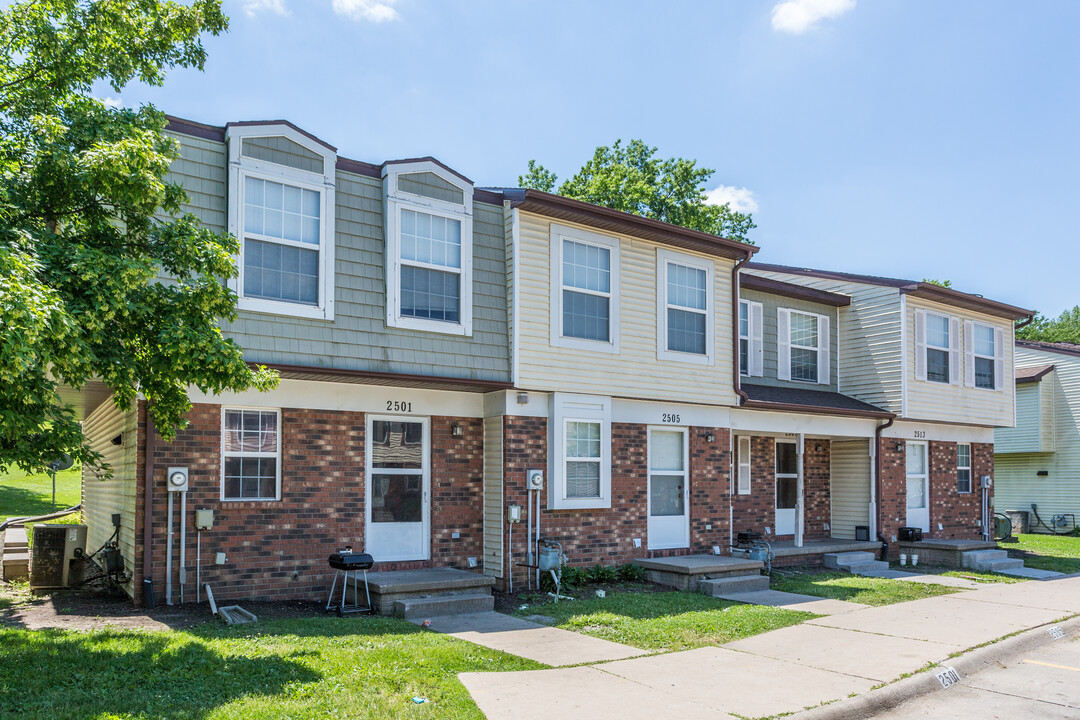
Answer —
869 338
428 184
282 151
958 403
102 498
508 230
1034 431
635 371
1016 483
493 496
850 486
769 305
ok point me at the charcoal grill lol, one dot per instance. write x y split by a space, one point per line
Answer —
347 563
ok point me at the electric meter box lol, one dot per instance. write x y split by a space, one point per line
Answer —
535 480
177 479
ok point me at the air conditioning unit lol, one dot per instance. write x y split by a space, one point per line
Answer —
54 549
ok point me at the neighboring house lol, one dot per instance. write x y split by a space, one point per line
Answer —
438 341
1038 461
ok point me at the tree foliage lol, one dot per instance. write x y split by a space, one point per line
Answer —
1064 328
88 223
940 283
633 179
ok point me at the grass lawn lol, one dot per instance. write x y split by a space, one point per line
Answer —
853 588
295 668
1060 553
23 494
664 620
983 577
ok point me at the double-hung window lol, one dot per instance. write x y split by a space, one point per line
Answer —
584 289
963 468
429 249
985 357
251 454
684 307
803 343
751 347
281 208
937 347
580 441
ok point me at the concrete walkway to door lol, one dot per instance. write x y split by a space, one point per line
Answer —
784 671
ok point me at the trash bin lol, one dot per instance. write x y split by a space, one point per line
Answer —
1020 519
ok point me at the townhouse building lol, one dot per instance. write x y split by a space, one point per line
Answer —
450 354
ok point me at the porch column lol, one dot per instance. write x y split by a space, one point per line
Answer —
799 489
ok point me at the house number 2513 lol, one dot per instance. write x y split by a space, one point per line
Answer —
398 406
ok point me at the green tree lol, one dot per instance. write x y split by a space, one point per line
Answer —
1064 328
633 179
88 223
941 283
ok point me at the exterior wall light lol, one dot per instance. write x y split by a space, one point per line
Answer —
710 438
456 430
523 398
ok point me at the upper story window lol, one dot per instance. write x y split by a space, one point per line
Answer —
429 248
580 473
751 347
803 346
585 290
251 454
963 468
937 344
281 200
684 308
984 364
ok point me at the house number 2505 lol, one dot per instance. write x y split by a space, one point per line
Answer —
670 418
398 406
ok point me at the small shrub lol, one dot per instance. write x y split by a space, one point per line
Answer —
631 573
602 574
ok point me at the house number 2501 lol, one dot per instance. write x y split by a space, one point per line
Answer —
398 406
670 418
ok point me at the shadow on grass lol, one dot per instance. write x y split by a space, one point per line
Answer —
20 502
57 674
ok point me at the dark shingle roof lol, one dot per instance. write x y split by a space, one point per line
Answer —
1032 374
1059 347
820 401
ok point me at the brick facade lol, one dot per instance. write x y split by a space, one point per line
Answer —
817 490
278 549
757 510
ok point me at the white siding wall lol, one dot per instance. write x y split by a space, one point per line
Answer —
869 363
850 486
635 371
1016 484
1034 420
102 498
493 496
957 403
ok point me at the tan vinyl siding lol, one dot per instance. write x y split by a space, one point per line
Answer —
1016 483
428 184
958 403
358 338
493 496
102 498
869 339
508 230
282 151
850 486
635 371
770 304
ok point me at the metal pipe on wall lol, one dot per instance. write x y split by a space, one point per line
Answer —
148 509
183 543
168 557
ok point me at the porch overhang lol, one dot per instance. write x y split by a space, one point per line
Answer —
814 402
371 377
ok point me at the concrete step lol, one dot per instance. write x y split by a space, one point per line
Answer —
733 584
868 569
841 561
16 566
989 561
441 605
1033 573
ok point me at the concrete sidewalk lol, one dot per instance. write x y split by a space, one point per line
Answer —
786 670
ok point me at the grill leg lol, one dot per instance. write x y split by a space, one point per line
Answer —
367 593
330 599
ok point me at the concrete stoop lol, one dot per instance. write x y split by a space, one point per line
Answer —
442 605
856 563
990 561
716 587
15 554
427 592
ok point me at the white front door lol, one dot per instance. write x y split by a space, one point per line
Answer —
669 489
787 487
398 509
918 486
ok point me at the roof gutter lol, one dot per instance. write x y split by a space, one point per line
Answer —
736 376
148 502
1023 324
813 410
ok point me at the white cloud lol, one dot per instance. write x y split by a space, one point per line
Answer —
111 102
254 7
798 16
374 10
738 199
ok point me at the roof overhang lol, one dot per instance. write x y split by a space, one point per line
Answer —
1032 374
798 292
370 377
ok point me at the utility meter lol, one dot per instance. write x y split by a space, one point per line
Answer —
535 480
985 481
177 479
513 513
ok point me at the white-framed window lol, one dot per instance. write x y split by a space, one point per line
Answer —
580 452
250 454
751 346
963 468
742 461
429 258
802 346
584 290
684 312
937 347
284 219
985 358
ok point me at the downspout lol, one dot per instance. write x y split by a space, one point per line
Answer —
877 485
736 381
148 509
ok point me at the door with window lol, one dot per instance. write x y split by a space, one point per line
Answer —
669 489
918 486
398 509
787 487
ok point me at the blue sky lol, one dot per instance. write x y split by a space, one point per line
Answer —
908 138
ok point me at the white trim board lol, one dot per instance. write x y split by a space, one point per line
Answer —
754 421
905 430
